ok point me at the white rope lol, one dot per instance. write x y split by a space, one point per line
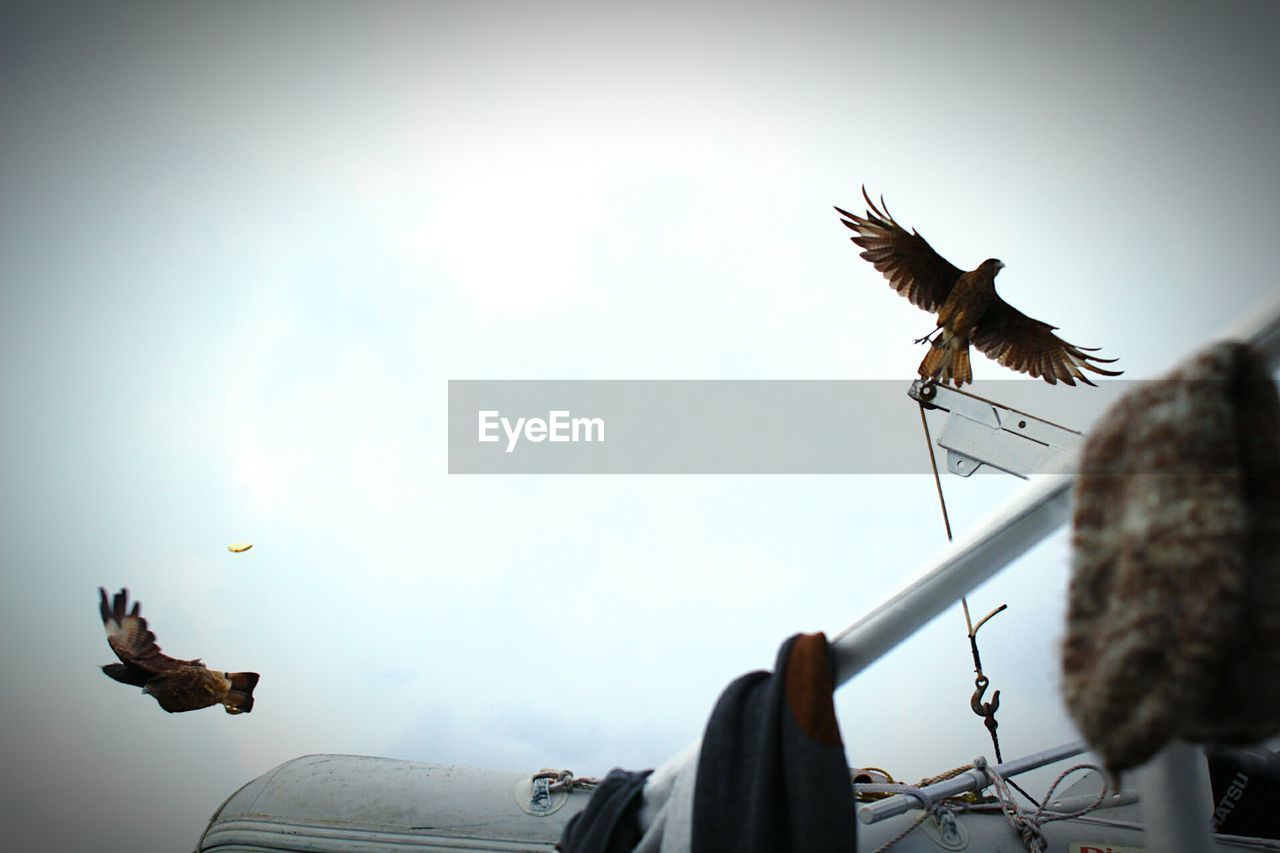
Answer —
1028 823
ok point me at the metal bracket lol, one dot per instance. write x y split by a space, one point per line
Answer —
535 796
946 832
982 432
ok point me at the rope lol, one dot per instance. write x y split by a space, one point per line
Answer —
566 781
989 717
944 776
985 710
939 811
890 788
861 776
937 480
867 791
1028 823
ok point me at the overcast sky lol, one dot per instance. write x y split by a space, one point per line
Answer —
244 247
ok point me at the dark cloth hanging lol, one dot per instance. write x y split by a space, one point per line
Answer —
771 773
609 823
1173 623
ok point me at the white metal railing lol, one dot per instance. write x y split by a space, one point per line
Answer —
970 780
1169 784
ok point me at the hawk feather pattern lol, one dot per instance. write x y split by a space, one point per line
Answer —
1173 623
969 309
178 685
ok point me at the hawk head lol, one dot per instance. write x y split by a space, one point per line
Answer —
992 266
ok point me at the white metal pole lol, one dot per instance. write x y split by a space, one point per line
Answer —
1177 800
1034 514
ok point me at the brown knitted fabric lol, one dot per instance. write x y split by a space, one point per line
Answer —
1173 622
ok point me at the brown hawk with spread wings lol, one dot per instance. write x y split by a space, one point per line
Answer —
178 685
969 309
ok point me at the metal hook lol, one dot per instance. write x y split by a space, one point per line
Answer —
986 710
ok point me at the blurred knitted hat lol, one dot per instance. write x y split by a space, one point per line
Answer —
1173 622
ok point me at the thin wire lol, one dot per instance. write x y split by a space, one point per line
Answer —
937 481
964 602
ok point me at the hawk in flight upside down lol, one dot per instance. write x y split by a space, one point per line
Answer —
969 309
178 685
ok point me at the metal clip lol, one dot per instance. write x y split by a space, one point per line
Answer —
986 710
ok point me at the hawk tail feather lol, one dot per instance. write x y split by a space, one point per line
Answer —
239 699
947 361
961 369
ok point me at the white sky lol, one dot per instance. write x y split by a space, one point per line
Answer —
243 248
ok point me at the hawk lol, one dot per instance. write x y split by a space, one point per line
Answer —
969 309
178 685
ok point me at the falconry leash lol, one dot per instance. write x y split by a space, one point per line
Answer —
986 710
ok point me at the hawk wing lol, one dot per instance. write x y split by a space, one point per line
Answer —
1015 340
132 641
913 268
